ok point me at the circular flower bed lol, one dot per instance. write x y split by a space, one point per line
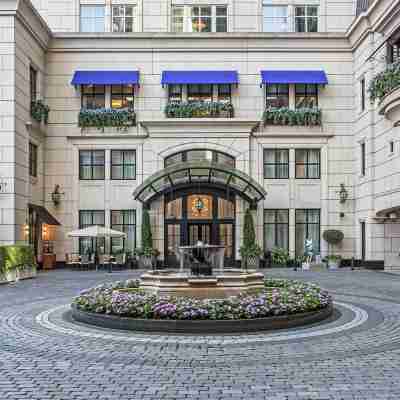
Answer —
280 297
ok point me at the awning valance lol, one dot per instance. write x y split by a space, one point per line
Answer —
105 78
43 214
316 77
199 77
199 174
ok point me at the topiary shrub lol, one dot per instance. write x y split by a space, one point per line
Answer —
333 236
250 250
16 257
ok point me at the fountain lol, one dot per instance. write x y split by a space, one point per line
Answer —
201 275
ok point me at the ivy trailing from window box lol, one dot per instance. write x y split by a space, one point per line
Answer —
297 117
102 118
212 109
40 111
384 82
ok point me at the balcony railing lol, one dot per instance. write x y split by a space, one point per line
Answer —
289 117
40 111
385 82
199 110
101 118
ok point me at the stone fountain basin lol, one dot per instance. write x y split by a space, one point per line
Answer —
222 284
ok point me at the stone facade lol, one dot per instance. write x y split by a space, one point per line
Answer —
345 47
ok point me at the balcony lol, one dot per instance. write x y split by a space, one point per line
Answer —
288 117
199 110
40 111
102 118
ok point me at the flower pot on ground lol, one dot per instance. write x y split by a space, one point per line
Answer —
333 261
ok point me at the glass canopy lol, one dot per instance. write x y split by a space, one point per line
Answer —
199 174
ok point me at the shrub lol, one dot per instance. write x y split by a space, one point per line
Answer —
40 111
384 82
198 109
16 256
333 236
297 117
280 256
250 248
101 118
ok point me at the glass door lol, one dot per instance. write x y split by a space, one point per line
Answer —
199 232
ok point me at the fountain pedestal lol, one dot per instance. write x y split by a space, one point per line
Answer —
230 282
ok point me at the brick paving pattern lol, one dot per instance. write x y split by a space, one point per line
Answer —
44 355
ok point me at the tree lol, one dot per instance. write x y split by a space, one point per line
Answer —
147 237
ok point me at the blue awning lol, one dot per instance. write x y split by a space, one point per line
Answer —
105 78
199 77
316 77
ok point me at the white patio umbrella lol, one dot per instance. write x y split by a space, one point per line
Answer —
96 231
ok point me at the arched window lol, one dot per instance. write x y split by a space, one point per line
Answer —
199 155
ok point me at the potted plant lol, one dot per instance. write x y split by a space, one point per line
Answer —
146 255
250 251
280 257
333 261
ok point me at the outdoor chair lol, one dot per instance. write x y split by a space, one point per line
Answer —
73 260
119 261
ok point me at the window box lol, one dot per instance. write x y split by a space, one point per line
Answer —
40 111
101 118
385 82
199 110
298 117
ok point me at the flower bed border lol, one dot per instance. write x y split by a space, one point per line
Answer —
201 326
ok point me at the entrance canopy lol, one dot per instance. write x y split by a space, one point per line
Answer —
199 174
43 214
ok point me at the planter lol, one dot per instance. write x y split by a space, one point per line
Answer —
201 326
252 263
146 262
18 274
332 265
305 266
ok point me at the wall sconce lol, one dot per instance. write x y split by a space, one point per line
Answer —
56 195
26 231
343 194
45 232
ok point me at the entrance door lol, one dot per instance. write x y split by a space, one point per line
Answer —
199 232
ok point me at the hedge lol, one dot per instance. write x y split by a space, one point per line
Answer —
16 256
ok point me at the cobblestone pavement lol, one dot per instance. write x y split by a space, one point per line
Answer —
355 355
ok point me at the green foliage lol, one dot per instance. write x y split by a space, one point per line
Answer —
333 236
249 248
297 117
101 118
334 258
199 110
280 256
40 111
147 237
384 82
16 256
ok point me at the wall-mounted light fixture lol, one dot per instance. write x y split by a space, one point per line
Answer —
343 194
56 195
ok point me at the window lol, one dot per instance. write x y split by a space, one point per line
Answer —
306 18
123 164
308 164
277 95
198 155
224 93
91 164
175 93
275 19
92 18
89 218
124 18
123 221
93 96
122 96
307 227
199 19
306 95
362 157
221 24
276 229
33 83
362 95
393 51
33 157
199 93
276 163
391 147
